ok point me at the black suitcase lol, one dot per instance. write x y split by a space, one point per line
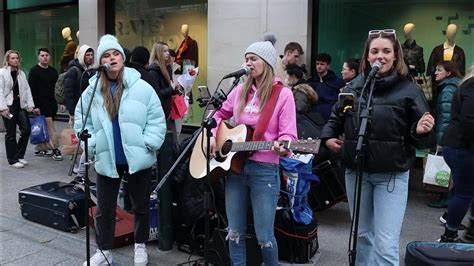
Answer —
56 204
297 243
331 188
420 253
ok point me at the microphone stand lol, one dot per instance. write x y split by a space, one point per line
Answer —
365 117
208 123
84 136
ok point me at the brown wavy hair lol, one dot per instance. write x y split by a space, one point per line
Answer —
112 104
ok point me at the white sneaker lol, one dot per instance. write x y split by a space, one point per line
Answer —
141 256
23 161
17 165
99 259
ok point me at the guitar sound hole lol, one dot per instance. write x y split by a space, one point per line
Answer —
226 148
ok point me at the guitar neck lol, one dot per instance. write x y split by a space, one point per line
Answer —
251 146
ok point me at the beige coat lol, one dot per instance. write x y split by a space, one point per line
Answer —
6 91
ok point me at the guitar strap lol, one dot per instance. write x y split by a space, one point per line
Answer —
267 113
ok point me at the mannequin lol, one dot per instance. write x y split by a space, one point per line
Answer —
412 53
448 50
77 49
69 50
188 48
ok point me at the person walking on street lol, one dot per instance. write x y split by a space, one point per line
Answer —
15 103
42 78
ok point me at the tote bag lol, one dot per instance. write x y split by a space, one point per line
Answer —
39 130
437 171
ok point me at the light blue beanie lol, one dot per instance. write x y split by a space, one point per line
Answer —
108 42
265 49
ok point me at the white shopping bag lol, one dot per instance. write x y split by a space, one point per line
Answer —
437 171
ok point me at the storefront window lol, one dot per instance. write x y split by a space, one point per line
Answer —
43 28
343 25
142 23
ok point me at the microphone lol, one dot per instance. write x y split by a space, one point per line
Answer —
239 73
375 68
104 67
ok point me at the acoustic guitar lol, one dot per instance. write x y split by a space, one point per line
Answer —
232 148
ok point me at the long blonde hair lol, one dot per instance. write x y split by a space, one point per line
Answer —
469 74
158 57
112 104
264 89
7 55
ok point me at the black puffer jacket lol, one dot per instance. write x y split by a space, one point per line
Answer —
398 104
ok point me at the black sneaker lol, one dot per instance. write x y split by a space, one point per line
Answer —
450 236
450 239
57 155
41 153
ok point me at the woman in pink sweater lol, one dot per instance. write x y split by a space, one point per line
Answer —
259 181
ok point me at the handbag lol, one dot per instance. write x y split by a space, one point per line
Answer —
425 85
437 171
39 130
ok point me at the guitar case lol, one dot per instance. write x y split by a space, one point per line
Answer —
57 205
421 253
124 230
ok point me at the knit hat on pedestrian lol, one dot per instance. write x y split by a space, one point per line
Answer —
108 42
140 55
265 49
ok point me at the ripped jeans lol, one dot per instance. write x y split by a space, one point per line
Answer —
383 204
258 184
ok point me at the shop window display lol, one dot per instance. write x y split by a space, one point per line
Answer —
180 24
342 24
42 28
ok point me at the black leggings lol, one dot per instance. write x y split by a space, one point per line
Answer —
138 186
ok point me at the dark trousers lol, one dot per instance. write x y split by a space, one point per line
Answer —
138 185
16 150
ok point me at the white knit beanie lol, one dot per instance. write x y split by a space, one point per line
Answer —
108 42
265 49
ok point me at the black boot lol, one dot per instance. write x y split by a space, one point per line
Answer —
469 235
449 236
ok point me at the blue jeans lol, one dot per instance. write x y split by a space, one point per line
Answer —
461 162
259 184
382 207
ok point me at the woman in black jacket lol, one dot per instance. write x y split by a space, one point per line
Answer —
458 152
400 122
161 71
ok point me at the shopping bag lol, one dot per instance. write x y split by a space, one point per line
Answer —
178 107
39 130
296 181
69 141
437 171
425 85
